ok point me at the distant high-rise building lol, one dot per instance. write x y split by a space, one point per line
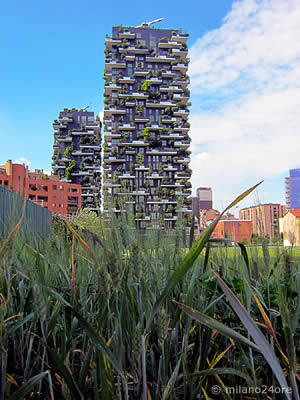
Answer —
204 195
292 189
200 204
265 218
77 153
146 140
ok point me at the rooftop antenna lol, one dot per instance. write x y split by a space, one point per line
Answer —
147 24
85 108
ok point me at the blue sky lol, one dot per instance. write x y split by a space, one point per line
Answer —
244 81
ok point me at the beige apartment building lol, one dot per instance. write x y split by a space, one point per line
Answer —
265 218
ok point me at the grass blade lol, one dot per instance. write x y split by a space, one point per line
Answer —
190 258
218 326
63 371
171 382
98 342
28 386
260 340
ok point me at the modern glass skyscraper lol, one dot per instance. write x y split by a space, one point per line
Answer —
292 189
146 128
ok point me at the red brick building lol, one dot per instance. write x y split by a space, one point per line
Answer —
236 229
47 191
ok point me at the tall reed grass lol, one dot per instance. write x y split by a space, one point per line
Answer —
113 314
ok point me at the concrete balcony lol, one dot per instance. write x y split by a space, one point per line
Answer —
171 218
162 152
136 50
113 111
126 35
181 113
183 83
138 143
126 79
140 73
82 153
114 64
155 81
110 160
173 89
168 74
82 173
180 67
171 167
163 201
154 176
161 104
64 140
141 120
184 210
184 160
160 59
171 136
179 52
141 168
112 86
179 38
169 45
126 176
126 127
181 129
112 42
130 58
56 166
182 145
140 193
141 96
65 119
179 97
90 146
130 103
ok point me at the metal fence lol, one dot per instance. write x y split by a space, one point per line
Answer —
36 222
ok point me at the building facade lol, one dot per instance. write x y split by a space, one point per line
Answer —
265 219
77 153
290 228
292 189
235 229
146 128
47 191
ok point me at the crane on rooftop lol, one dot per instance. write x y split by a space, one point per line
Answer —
147 24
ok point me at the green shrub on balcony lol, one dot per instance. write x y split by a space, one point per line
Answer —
146 133
139 159
68 151
70 168
146 86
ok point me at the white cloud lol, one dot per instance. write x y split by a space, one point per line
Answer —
22 160
101 115
246 78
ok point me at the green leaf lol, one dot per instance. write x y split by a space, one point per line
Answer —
264 346
171 382
245 257
28 386
63 371
12 328
190 258
97 341
218 326
226 371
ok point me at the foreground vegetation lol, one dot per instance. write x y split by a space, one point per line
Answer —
116 314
